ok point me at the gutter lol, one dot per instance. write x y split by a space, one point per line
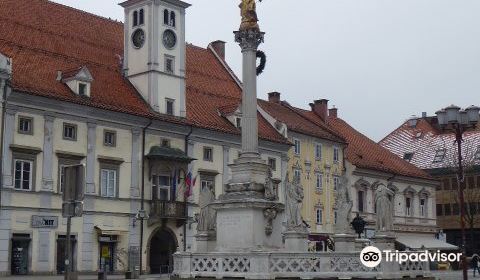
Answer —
142 203
187 137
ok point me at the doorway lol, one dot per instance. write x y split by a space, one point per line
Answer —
162 247
61 252
19 254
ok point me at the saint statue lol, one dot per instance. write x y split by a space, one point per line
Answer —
207 217
294 205
384 208
344 206
270 186
249 15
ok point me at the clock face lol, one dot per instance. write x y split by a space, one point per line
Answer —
169 39
138 38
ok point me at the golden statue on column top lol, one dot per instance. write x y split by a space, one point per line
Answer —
249 15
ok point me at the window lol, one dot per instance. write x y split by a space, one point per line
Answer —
455 209
422 207
207 182
165 143
297 174
318 151
238 122
477 153
408 156
319 218
69 132
169 64
448 210
62 162
108 182
172 19
335 154
165 17
207 154
110 138
25 125
408 206
161 188
360 201
135 18
440 155
335 215
297 146
141 17
272 162
319 183
439 210
82 89
23 174
446 184
336 181
169 104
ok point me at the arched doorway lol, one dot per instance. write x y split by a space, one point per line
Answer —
162 246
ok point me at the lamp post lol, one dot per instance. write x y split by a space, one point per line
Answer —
458 121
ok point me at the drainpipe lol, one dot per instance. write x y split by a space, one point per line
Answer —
187 137
2 131
142 203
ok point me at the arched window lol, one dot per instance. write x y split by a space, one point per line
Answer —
165 16
172 18
135 18
141 17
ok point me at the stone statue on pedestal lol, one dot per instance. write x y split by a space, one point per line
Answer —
249 15
384 208
344 205
294 205
207 217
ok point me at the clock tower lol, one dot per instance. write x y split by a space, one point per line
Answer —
154 52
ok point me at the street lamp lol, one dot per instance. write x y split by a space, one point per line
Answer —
458 121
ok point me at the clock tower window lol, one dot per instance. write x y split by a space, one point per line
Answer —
135 18
141 17
166 16
172 19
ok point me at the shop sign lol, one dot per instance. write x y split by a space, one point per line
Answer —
44 221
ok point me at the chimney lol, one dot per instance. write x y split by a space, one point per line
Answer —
219 47
274 97
320 108
333 112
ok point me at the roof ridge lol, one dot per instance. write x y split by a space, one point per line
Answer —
83 12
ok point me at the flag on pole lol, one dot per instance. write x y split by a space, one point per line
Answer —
174 185
189 183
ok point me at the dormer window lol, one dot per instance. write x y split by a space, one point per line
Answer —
82 89
78 80
238 122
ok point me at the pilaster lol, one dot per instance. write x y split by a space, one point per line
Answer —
47 168
91 143
136 159
226 160
8 140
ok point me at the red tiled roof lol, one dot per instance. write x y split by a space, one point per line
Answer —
287 114
44 37
424 140
363 152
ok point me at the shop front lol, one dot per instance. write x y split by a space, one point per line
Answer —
61 251
20 254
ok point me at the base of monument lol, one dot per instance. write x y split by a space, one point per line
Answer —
286 265
344 242
384 241
296 241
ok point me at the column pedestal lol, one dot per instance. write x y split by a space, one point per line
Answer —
296 241
205 242
344 242
384 241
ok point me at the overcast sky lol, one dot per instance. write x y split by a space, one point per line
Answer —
378 61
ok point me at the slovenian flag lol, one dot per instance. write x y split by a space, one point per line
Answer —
189 183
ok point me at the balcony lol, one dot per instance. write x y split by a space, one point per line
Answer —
161 211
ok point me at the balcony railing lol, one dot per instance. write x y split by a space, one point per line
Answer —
168 209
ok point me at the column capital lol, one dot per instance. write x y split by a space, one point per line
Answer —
49 117
136 131
91 124
249 40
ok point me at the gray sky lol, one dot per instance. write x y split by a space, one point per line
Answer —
378 61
